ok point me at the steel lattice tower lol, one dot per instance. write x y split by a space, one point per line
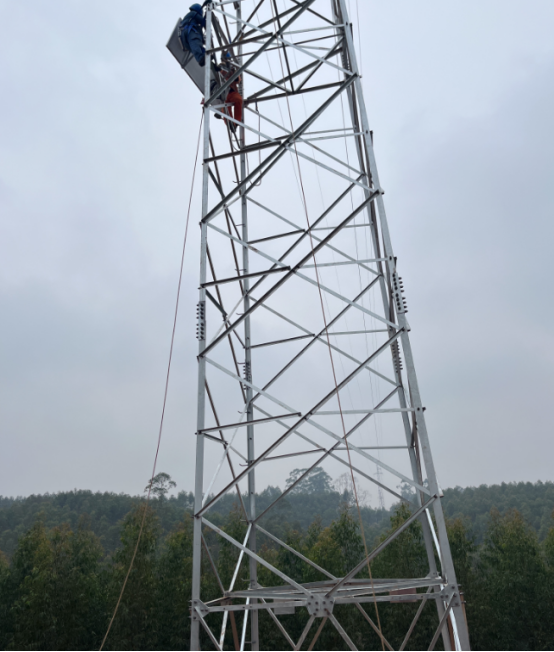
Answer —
304 349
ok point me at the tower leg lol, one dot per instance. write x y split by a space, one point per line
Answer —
201 405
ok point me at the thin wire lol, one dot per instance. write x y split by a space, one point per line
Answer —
331 354
165 394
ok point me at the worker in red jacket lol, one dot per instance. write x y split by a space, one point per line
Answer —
226 69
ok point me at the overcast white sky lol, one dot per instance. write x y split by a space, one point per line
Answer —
98 130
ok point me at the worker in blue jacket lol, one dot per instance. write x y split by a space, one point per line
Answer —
190 33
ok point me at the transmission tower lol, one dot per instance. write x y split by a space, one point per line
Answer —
302 328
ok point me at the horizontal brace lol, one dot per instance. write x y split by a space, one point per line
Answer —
373 448
243 276
248 149
254 39
289 339
280 457
279 96
258 606
347 262
389 598
275 237
241 424
350 226
377 330
329 412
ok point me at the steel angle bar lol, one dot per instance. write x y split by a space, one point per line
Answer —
314 66
313 29
280 627
304 418
373 626
289 274
244 623
293 485
312 228
223 457
270 593
216 417
441 625
305 632
333 51
248 149
276 237
298 91
382 546
378 330
272 38
315 13
248 71
280 151
259 559
275 36
347 464
232 584
330 412
294 552
383 586
280 457
206 628
239 561
319 338
265 606
243 276
350 226
375 460
239 36
329 169
311 140
326 453
341 631
265 23
370 599
347 262
337 295
213 566
285 54
227 46
414 621
250 423
288 339
212 438
380 448
268 139
360 173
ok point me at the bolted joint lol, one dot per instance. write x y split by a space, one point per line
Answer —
320 606
201 321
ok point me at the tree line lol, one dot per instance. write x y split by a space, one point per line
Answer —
59 585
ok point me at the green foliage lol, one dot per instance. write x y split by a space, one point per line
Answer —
160 485
512 603
174 574
58 587
135 625
316 481
56 590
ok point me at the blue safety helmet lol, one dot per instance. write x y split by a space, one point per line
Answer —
196 7
227 55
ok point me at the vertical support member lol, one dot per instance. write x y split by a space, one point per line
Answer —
201 409
235 96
